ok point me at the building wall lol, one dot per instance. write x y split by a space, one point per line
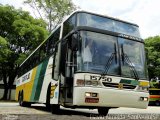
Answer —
2 91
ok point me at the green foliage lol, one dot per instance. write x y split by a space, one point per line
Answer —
21 30
4 50
20 34
154 83
52 10
152 45
21 58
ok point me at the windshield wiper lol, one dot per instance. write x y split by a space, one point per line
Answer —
126 59
109 61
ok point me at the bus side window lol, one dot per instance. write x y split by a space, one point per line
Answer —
53 48
52 42
42 52
69 25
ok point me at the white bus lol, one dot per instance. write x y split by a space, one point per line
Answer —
89 61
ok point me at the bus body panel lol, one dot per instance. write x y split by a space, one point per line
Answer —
34 83
54 98
109 97
26 86
47 80
154 97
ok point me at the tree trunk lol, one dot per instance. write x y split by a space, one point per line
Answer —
11 79
5 94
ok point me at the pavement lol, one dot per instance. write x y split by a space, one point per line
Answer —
12 111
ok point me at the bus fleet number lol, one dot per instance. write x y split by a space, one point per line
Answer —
103 78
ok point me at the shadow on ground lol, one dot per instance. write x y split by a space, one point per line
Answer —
64 111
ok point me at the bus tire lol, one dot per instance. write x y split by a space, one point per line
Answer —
157 103
21 102
20 99
103 111
48 105
55 109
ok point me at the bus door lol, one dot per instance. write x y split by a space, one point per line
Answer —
68 65
69 74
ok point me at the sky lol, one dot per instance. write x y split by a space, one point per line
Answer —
145 13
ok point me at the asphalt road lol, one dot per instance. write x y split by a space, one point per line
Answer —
12 111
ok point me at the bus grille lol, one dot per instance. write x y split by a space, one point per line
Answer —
116 85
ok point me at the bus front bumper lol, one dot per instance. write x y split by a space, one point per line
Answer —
107 97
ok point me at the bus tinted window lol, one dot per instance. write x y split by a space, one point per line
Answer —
45 50
52 41
85 19
69 25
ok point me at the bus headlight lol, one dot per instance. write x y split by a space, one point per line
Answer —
80 82
91 83
144 98
90 94
88 83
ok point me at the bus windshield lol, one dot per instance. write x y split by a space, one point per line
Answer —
107 23
102 53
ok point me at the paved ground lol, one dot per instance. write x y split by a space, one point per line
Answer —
11 111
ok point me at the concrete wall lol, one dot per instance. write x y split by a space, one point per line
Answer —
2 91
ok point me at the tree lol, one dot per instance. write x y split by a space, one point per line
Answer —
4 54
53 11
22 34
4 50
152 45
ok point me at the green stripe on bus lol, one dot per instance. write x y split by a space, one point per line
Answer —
135 82
125 81
40 80
35 82
132 82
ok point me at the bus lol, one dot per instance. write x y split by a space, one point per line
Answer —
154 91
154 98
64 71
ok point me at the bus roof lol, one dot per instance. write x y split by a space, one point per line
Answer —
101 15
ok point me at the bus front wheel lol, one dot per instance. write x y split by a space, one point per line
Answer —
103 111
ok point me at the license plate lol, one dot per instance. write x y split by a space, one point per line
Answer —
92 100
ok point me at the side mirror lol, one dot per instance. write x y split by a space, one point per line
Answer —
74 42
